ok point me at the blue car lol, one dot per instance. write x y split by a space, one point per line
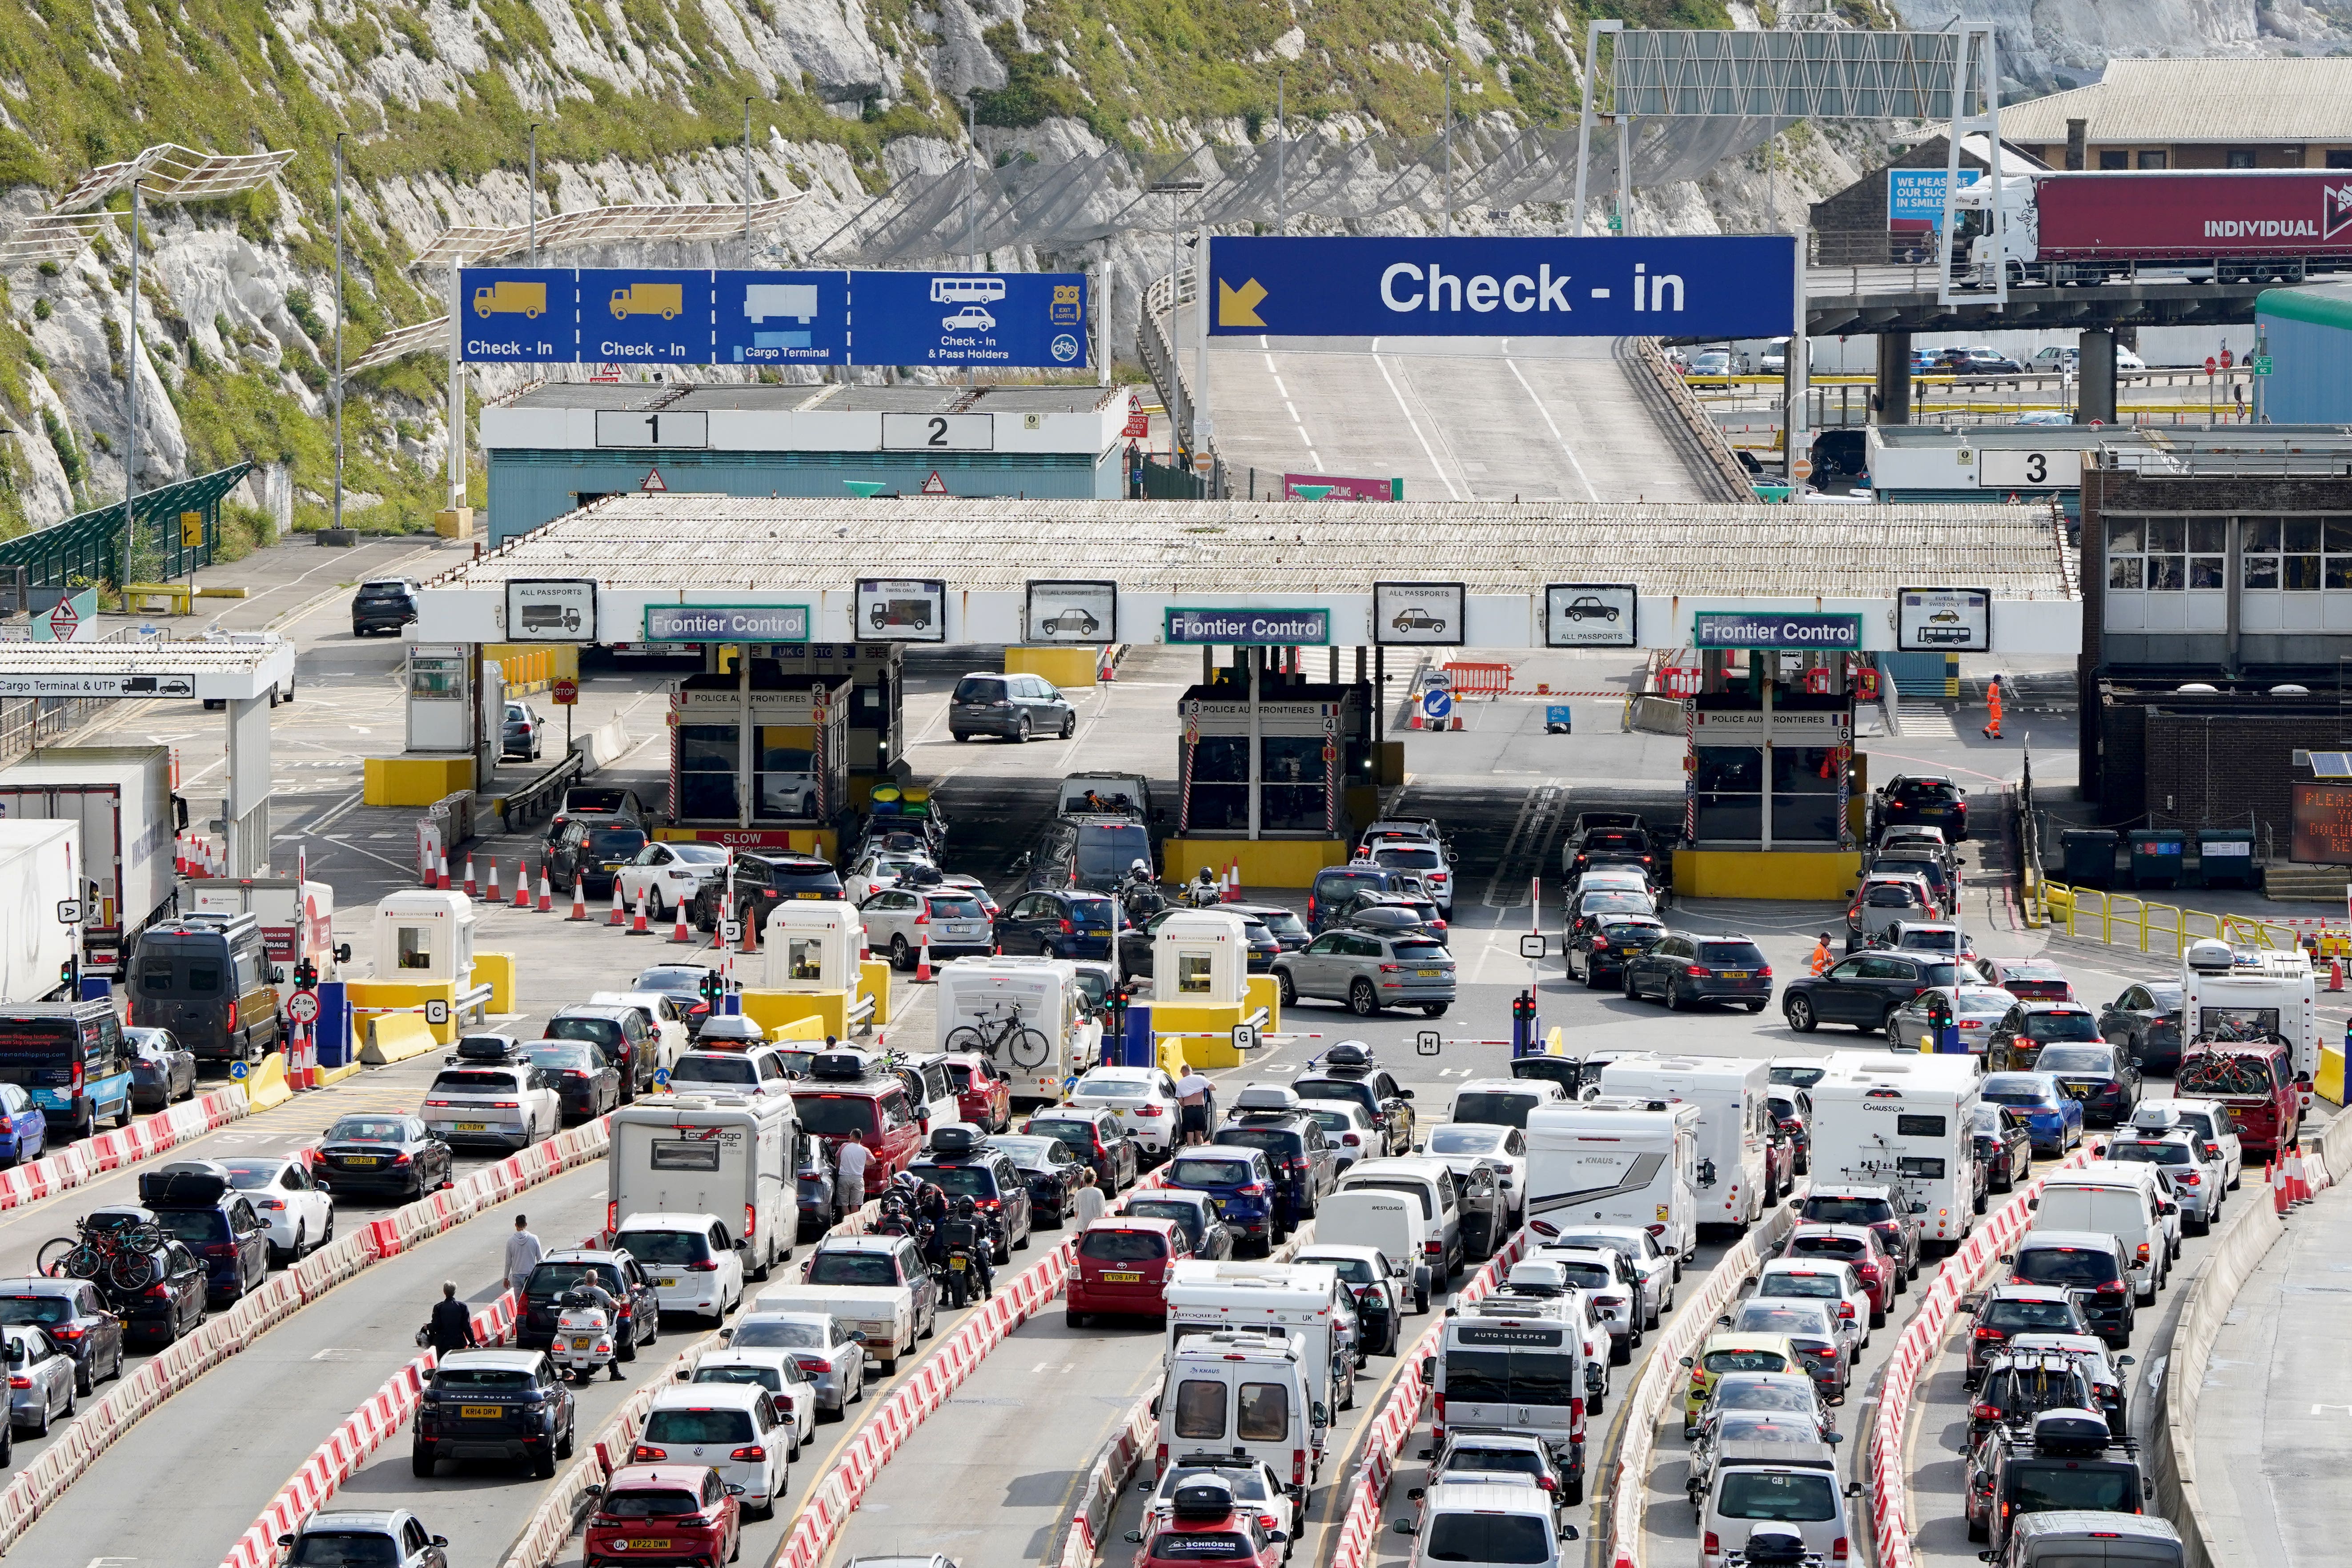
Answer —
24 1128
1061 923
1239 1185
2052 1118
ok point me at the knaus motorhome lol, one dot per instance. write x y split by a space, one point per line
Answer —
1616 1161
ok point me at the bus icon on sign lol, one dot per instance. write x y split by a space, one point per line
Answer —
966 291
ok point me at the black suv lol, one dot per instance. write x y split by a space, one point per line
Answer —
1085 851
2092 1266
592 851
2146 1021
1925 801
1347 1071
1599 955
1684 970
1863 990
76 1316
196 1202
1304 1162
762 882
963 1168
1608 839
620 1033
386 604
639 1309
494 1405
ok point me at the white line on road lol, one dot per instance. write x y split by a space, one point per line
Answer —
1565 451
1452 493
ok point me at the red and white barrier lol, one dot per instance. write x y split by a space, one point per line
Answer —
365 1430
1099 1494
146 1137
1915 1350
1360 1527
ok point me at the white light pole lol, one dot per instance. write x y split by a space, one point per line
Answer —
531 201
130 425
339 327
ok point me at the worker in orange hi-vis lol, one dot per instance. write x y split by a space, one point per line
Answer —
1821 959
1993 701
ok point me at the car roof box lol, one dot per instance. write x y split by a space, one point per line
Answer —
1265 1097
1208 1498
182 1187
2070 1432
732 1031
954 1138
835 1066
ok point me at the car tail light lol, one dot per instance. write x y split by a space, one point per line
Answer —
646 1454
273 1205
2192 1179
1655 1229
1152 1110
612 1217
2213 1150
2114 1286
219 1249
1547 1483
434 1102
62 1333
1433 1248
1838 1550
1845 1311
1392 969
1698 1377
573 1072
750 1222
1991 1334
1257 1190
1067 928
1696 969
1160 1459
505 1105
753 1452
1765 972
20 1380
232 1030
1297 1467
708 1266
1985 1412
78 1066
1351 1139
1712 1544
813 1365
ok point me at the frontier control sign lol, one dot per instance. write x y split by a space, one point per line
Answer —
1776 629
727 623
1715 286
1273 628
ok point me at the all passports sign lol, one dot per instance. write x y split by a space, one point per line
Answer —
1717 286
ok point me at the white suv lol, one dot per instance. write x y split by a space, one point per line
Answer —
505 1105
735 1428
687 1257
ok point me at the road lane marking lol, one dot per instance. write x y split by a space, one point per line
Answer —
1566 450
1451 492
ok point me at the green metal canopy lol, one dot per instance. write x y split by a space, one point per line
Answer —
91 544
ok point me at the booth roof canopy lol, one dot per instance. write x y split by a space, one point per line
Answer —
197 655
689 543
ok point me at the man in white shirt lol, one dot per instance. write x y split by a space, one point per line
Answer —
850 1162
1193 1092
523 1253
1087 1204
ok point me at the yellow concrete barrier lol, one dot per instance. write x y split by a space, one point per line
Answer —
874 980
1063 667
223 593
772 1010
396 1037
142 596
413 780
1172 1058
369 997
266 1086
2329 1083
1264 991
1811 874
496 971
1265 862
328 1075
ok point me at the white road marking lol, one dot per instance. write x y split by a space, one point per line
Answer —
1564 448
1451 492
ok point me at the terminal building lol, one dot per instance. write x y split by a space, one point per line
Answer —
558 447
800 610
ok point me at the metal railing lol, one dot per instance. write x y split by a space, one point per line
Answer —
1155 341
2097 915
540 796
1720 463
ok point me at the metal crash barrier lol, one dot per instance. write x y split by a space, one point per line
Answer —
539 797
2097 915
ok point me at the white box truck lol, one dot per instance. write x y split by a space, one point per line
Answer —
297 920
686 1154
39 881
122 796
1614 1161
985 993
1735 1124
1907 1125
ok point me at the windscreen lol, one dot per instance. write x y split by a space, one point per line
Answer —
1476 1140
1480 1377
1107 850
1744 1360
507 1379
648 1504
2048 1027
1839 1246
755 1335
563 1058
2005 1090
1497 1107
333 1551
1197 1171
955 907
724 1069
691 1426
1799 1077
2034 1316
601 1032
197 1228
1588 1276
1498 1461
248 1175
367 1130
1819 1287
1761 1394
670 1248
1488 1538
2151 1154
1826 1210
474 1083
979 689
555 1279
836 1115
1791 1496
2065 1265
959 1181
766 1377
614 843
1762 1320
1186 1216
1415 1190
34 1309
2103 1489
1731 954
1123 1246
852 1268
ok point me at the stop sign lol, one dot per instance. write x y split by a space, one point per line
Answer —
564 691
2211 365
2225 359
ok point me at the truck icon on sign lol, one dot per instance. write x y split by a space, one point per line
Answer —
666 300
761 300
510 297
551 616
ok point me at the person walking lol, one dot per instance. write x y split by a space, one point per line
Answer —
1193 1097
850 1162
1993 701
1821 959
452 1327
523 1253
1087 1204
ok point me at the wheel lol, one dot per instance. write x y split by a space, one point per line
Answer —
1069 725
1801 1015
1283 982
1626 984
54 1260
43 1429
420 1463
1020 732
1672 995
83 1379
1592 978
888 1363
656 911
902 957
1877 1319
1362 1000
1434 1009
1076 1320
542 1464
1031 1050
959 736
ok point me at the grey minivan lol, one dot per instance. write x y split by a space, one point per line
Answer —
2080 1537
1013 706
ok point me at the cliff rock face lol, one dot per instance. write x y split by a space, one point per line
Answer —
2051 44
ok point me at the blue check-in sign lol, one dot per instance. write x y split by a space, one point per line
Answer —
1269 628
727 623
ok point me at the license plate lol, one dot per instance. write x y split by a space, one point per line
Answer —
2076 1091
1429 973
473 1127
1122 1278
2236 1114
955 1265
479 1411
660 1545
1735 974
362 1160
583 1342
666 1284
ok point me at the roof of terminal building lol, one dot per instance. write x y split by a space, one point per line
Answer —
702 542
683 397
2228 100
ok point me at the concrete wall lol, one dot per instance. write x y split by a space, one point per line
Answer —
2311 377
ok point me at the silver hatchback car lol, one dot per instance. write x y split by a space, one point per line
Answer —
41 1378
1369 971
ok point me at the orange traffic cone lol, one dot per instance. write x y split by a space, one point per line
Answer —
2274 1178
441 877
620 917
522 882
493 896
473 889
681 933
923 946
637 926
1412 721
579 897
1233 881
752 930
546 899
2335 973
179 854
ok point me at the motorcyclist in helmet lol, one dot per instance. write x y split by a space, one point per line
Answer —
990 1234
1204 886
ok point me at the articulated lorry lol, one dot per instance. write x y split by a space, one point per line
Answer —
122 797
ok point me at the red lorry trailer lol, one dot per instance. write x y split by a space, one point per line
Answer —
2184 215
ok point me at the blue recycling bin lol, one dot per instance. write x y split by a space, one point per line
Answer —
1139 1048
333 1029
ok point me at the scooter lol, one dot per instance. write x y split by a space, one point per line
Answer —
583 1339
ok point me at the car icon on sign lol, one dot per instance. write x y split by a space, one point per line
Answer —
1586 607
971 318
1417 620
1950 616
1073 619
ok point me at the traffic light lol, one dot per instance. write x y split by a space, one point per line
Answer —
1523 1007
306 976
714 987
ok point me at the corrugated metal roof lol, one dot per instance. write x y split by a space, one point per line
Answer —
2222 100
190 654
709 541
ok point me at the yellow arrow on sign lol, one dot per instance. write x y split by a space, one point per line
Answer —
1238 306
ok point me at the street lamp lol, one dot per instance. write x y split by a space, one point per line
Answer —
1173 189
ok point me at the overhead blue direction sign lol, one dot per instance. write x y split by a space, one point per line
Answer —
640 316
520 316
1710 286
783 318
970 318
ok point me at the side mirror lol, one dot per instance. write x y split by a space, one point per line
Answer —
2127 1361
1407 1527
684 1375
856 1337
1322 1414
2032 1202
1988 1556
2008 1257
277 975
440 1541
1428 1367
1135 1538
2167 1207
1278 1536
1567 1532
727 1334
343 952
1854 1488
285 1541
734 1490
1688 1362
1725 1320
1407 1094
594 1489
1833 1438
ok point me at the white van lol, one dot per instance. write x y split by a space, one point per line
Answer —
1430 1184
1486 1524
1613 1160
1735 1124
2125 1201
1504 1101
1240 1392
686 1154
982 993
1390 1221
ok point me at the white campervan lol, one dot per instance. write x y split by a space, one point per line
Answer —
1735 1124
1614 1161
1306 1305
1237 1393
686 1154
1026 1014
1904 1123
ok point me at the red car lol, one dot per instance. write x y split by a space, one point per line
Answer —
2256 1082
1206 1525
982 1097
1854 1244
1123 1266
668 1514
2033 980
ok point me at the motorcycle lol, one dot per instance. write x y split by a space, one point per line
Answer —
1142 899
961 1281
583 1339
